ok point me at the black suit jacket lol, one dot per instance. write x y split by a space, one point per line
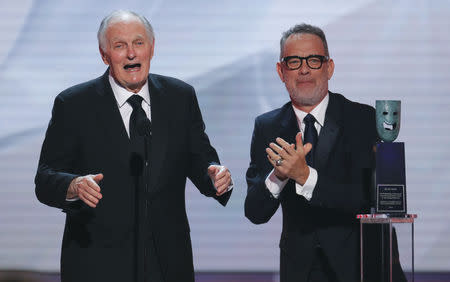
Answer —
344 158
86 135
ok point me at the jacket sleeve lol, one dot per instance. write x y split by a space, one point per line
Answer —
202 154
260 205
58 156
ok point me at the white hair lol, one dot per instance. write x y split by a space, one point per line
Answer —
117 16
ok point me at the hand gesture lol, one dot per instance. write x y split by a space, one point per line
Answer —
221 177
288 160
86 188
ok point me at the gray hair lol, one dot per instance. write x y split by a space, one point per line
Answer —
117 15
303 28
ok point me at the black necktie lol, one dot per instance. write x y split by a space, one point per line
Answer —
138 114
310 137
140 172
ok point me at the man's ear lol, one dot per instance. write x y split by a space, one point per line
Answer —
330 68
280 71
104 56
152 50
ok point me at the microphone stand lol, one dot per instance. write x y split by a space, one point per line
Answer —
136 165
144 128
139 168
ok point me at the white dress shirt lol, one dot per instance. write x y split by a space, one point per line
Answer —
273 183
122 95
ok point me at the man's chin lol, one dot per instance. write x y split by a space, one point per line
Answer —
305 100
134 86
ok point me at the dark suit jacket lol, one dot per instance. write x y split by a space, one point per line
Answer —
344 160
86 135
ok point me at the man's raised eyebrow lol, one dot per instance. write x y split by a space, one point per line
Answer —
116 40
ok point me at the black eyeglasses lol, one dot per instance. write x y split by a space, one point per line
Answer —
313 61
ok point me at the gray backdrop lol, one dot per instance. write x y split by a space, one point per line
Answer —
227 50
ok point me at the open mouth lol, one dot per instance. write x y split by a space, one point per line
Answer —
389 126
132 67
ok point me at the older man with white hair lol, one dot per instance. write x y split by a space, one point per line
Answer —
115 159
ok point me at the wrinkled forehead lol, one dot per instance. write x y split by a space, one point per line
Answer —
126 28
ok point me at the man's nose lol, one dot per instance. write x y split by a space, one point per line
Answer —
131 54
304 68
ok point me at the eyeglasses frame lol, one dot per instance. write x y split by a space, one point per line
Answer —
320 57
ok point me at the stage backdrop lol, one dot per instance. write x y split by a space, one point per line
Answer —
227 50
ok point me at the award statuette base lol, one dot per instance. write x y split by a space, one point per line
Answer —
390 180
386 247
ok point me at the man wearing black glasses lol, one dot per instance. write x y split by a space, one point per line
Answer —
313 156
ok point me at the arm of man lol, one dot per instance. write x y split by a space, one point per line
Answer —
292 165
205 171
86 188
56 178
221 178
260 204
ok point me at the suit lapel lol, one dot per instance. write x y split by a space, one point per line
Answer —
159 109
114 130
289 125
287 129
329 133
109 116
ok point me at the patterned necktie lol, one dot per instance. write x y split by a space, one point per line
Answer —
138 114
310 137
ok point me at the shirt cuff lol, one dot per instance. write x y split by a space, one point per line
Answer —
72 199
231 184
308 188
274 184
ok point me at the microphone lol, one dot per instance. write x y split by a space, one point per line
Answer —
144 129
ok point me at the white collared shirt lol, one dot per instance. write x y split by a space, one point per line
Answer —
273 183
122 95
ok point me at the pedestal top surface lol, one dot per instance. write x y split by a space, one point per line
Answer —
386 218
